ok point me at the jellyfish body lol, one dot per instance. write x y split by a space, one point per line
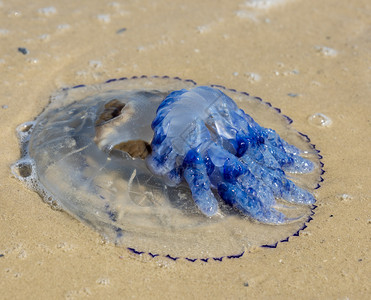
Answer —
86 154
202 136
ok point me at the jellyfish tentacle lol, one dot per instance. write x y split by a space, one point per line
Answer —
280 186
241 188
195 174
247 202
201 136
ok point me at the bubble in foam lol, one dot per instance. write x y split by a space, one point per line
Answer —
85 154
320 120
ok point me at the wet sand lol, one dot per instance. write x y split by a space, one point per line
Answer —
305 57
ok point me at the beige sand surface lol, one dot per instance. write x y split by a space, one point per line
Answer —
49 255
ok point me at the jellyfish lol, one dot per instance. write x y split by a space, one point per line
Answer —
201 135
165 167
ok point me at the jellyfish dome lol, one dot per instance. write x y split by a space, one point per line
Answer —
168 168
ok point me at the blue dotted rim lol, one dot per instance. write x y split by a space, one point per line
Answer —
289 120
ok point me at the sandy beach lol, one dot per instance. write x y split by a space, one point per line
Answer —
305 57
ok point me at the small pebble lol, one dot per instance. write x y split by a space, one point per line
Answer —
292 95
121 30
4 106
2 255
246 284
24 51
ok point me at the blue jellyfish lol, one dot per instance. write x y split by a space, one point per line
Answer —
202 137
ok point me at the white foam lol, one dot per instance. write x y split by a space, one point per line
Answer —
15 14
44 37
63 27
104 18
326 51
263 4
203 29
33 61
251 9
95 64
345 197
114 5
252 77
47 11
4 32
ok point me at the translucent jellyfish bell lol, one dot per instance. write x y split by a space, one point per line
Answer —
86 154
